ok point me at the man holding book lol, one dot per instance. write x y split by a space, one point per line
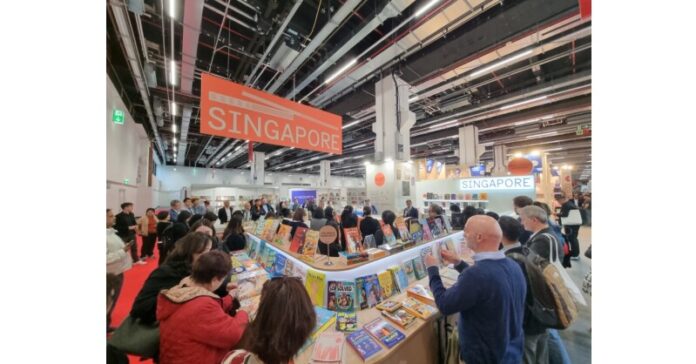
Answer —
489 296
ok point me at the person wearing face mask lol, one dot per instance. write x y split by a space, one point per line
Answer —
196 324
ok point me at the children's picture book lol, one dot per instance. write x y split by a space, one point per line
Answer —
416 230
388 305
400 224
434 228
253 247
270 259
249 284
387 284
399 277
440 225
353 240
278 268
328 348
408 268
262 254
427 234
418 308
341 296
289 267
419 267
249 226
400 317
268 233
315 283
448 224
421 293
388 234
298 239
260 225
310 243
283 235
384 332
346 321
363 344
369 291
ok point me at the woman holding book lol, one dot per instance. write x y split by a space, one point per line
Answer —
275 336
297 221
388 218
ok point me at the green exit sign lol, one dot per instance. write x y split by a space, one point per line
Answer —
118 117
125 181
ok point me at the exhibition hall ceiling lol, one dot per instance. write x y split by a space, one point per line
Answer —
518 70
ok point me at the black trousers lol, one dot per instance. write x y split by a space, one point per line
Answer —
148 245
133 247
117 292
572 234
162 253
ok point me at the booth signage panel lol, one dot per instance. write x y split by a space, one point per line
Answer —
497 183
235 111
303 195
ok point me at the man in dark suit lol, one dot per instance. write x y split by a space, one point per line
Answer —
125 229
225 213
410 211
571 231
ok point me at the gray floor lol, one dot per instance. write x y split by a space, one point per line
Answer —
578 337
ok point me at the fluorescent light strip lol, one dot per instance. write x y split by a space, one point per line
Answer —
351 124
426 7
343 69
451 123
523 102
172 107
172 8
501 63
173 128
172 72
542 135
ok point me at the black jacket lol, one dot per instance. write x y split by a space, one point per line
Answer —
234 242
123 221
160 229
166 276
222 215
368 226
539 243
566 207
294 225
412 212
379 235
257 212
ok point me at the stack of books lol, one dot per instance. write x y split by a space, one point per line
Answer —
328 349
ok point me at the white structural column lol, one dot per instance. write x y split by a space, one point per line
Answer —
546 181
324 173
394 120
469 148
500 168
258 176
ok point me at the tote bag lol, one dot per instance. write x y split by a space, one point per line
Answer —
572 287
135 338
573 218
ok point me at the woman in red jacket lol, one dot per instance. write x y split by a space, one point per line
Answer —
196 325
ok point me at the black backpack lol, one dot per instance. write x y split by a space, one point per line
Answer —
551 303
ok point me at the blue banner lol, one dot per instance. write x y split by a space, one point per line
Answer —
303 195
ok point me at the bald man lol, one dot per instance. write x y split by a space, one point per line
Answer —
488 295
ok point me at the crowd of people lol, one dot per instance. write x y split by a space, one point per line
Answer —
190 297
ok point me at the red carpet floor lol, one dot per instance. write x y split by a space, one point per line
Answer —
133 280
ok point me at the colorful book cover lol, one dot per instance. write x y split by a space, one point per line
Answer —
369 290
448 224
388 234
289 267
270 259
387 284
416 230
346 321
268 232
325 319
419 268
315 283
408 268
249 284
363 343
249 226
298 239
262 253
310 243
388 305
283 235
253 247
353 240
341 296
438 222
279 265
399 277
260 225
417 308
400 317
328 348
400 224
384 332
299 270
427 234
421 293
434 228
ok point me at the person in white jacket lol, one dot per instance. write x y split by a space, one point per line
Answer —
117 260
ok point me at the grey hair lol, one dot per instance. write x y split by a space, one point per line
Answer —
535 212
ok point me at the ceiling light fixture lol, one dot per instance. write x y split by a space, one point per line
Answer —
501 63
172 108
173 128
350 124
414 98
523 102
426 8
541 135
341 70
172 72
172 8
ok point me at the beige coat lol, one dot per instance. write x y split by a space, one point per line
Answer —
142 226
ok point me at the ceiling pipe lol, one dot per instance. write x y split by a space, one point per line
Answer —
127 41
239 11
277 36
230 17
390 10
338 18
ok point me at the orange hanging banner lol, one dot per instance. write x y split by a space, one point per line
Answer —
235 111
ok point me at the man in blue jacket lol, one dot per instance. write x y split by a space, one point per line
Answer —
489 296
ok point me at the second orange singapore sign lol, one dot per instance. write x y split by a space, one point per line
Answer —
235 111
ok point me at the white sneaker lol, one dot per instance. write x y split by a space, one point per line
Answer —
140 262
